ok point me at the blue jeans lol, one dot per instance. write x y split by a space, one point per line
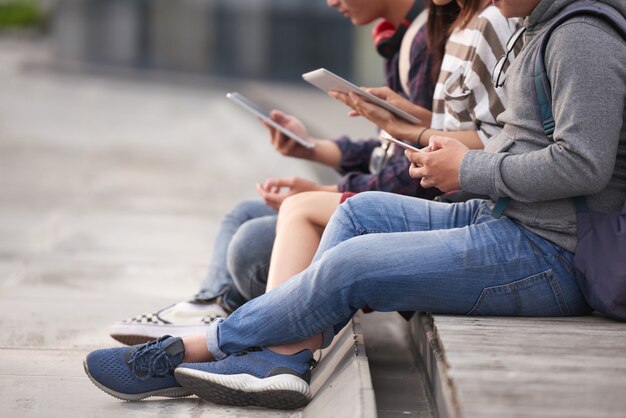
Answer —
397 253
241 255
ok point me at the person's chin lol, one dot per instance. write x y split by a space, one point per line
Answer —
358 22
503 10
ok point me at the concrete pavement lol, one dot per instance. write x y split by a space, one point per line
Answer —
110 192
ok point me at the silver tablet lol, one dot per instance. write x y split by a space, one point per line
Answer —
327 81
260 113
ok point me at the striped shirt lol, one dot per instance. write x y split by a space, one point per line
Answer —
465 98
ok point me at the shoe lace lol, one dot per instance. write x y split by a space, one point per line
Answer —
150 360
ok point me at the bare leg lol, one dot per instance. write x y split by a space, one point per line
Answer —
196 350
301 222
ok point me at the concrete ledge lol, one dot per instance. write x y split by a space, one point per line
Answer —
523 367
341 384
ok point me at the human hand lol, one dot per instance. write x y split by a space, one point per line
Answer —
384 119
281 142
441 166
275 191
345 99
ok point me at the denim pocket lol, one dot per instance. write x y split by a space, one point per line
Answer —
537 295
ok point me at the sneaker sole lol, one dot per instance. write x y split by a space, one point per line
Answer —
277 392
139 334
169 392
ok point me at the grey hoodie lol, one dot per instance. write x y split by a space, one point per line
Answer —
586 64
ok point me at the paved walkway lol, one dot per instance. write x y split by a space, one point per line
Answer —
110 192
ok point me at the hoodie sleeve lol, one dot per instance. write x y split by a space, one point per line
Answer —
585 63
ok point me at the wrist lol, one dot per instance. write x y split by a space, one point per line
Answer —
330 188
422 137
318 152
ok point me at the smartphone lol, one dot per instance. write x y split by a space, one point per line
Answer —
253 108
386 136
327 81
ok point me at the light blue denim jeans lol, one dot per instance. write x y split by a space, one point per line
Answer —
397 253
241 255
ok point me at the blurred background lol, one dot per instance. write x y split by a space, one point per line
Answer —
260 39
119 156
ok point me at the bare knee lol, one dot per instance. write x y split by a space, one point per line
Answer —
314 208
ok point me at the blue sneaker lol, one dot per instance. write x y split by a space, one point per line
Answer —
256 377
138 372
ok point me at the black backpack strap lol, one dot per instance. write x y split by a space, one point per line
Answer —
541 82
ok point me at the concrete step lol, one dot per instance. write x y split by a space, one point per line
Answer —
399 381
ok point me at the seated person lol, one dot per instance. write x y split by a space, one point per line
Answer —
239 266
390 252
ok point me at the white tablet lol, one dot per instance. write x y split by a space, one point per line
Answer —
327 81
385 135
260 113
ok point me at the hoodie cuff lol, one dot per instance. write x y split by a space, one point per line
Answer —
478 172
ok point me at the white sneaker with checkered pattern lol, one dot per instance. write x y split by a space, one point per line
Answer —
179 320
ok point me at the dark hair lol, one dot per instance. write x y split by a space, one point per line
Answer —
438 27
442 20
469 9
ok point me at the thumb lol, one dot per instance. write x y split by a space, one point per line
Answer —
279 183
437 142
278 116
379 92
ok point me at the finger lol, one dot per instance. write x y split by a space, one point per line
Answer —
361 106
415 157
426 183
414 172
370 110
275 199
338 95
278 116
353 113
260 190
272 202
343 98
418 171
437 142
269 183
380 92
281 141
283 182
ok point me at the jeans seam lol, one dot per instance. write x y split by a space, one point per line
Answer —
544 275
558 294
569 266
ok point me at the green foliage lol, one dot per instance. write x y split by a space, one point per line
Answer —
19 13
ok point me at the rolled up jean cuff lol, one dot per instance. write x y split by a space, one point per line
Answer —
212 342
327 337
